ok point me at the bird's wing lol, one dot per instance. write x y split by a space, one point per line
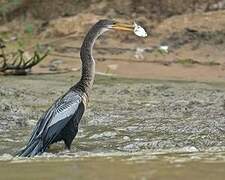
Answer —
58 114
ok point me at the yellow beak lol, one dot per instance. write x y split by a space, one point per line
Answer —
123 27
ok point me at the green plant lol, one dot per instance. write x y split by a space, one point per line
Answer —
29 28
7 6
187 61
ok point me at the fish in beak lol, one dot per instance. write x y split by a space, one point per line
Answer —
137 29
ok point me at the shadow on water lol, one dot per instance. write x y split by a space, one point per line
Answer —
140 129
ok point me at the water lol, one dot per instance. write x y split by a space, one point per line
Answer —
132 129
144 166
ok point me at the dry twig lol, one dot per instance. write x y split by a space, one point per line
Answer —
19 63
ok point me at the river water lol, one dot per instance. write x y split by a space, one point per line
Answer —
132 129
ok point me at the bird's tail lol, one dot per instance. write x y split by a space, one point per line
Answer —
33 148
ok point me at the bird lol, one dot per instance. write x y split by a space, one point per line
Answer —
61 121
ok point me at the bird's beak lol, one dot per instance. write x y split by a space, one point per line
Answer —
137 29
123 27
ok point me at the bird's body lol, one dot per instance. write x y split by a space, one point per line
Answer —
61 120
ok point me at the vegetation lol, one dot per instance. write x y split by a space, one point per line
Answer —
18 63
7 6
46 10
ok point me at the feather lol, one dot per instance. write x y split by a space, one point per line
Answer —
50 127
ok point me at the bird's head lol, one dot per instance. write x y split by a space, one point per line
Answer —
111 24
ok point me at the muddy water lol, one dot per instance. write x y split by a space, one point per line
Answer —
139 167
132 129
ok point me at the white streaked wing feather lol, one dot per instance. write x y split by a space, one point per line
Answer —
67 107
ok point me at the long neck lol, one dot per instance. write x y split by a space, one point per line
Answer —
88 63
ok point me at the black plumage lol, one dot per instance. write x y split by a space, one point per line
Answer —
61 120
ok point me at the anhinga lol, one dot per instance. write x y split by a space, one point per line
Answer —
61 120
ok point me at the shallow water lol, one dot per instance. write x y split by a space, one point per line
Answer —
132 129
139 166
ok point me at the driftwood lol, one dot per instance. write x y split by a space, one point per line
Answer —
17 63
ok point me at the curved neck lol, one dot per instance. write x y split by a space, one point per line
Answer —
88 62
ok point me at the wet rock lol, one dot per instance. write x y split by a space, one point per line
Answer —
5 107
126 115
103 135
130 148
190 149
6 157
126 138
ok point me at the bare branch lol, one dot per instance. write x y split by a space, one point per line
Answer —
19 62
